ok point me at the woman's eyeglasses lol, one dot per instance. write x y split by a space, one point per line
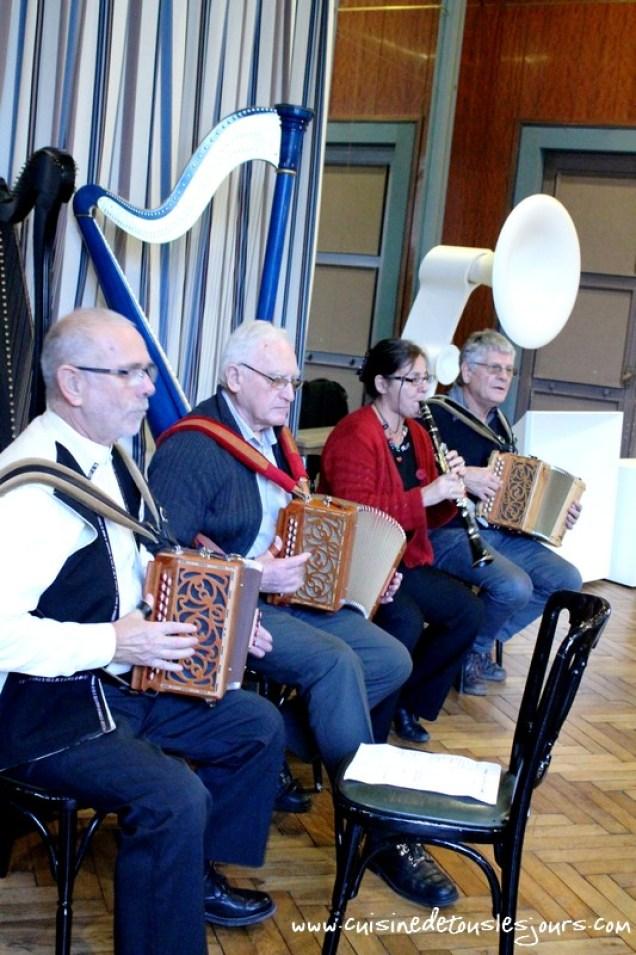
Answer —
411 379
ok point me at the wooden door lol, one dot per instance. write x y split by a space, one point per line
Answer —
363 224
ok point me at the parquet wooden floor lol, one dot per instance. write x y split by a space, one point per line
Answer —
578 886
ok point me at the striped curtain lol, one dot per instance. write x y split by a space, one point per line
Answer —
130 88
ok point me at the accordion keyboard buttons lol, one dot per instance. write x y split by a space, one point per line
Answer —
487 506
163 597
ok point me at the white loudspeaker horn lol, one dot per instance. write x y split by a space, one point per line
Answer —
534 273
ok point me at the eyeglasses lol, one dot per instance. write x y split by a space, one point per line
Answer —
278 382
496 369
132 376
411 379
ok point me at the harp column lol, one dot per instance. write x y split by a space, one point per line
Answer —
294 121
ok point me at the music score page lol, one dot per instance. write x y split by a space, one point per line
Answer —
383 764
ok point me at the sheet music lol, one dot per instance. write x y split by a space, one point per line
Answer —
383 764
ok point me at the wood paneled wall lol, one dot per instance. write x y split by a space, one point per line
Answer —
523 61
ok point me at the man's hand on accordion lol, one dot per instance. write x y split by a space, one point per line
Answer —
482 483
392 588
261 641
282 575
154 644
573 514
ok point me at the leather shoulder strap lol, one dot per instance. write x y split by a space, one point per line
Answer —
472 422
76 486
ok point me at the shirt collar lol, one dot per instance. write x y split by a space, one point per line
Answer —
88 454
265 438
456 394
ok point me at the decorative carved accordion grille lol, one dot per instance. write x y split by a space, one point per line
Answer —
354 552
534 497
218 595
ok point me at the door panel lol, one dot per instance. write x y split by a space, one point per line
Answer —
591 347
352 207
591 364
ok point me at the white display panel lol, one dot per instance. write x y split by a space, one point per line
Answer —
587 444
623 564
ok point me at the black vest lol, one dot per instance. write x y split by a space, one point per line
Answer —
44 715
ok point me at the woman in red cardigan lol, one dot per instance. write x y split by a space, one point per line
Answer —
381 456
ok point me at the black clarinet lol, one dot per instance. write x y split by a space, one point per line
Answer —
478 550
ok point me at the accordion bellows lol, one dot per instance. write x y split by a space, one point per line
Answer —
219 595
355 550
534 497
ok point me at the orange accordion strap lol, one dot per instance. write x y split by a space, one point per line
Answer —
297 483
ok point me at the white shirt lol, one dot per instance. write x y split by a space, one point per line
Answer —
273 497
39 533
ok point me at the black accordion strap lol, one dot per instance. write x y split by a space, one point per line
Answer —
79 488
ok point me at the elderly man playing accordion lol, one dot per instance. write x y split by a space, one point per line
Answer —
341 664
516 584
73 626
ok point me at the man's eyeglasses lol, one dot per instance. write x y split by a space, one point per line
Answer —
493 368
132 376
411 379
278 382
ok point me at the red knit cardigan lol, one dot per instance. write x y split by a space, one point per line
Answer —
357 465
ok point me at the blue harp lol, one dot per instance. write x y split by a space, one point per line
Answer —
273 135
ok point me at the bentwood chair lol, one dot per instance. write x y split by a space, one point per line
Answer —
460 823
55 818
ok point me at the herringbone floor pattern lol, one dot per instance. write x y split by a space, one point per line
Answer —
578 888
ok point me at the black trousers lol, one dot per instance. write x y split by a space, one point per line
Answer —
173 818
453 615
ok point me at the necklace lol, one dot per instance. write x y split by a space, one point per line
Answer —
395 443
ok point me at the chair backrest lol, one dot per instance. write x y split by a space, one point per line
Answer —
324 402
547 699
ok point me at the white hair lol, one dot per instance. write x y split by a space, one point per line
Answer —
246 341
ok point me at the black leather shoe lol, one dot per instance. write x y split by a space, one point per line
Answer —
406 726
290 797
225 905
411 872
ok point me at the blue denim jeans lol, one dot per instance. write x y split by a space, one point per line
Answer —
514 587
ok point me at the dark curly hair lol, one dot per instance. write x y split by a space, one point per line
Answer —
385 358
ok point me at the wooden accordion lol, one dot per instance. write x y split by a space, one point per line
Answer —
217 594
534 497
355 550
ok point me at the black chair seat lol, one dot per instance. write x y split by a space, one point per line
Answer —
422 814
368 818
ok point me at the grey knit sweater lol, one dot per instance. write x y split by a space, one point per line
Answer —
204 489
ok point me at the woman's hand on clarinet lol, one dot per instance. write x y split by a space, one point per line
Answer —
282 575
482 483
447 487
456 463
153 643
